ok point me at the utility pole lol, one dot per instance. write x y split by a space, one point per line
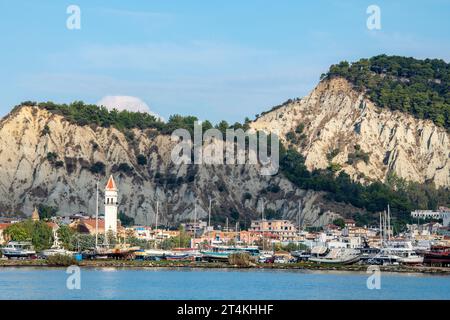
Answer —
96 217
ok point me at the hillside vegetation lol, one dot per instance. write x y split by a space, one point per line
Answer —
403 196
83 114
419 87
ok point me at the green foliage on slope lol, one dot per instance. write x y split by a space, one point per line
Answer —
83 114
401 195
419 87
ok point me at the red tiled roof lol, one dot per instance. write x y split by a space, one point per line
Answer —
111 185
4 225
52 225
91 223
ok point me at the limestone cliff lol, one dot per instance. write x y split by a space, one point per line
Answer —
46 159
337 125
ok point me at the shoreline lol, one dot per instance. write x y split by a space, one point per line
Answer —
132 264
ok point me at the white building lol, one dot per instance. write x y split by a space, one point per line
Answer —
111 206
443 213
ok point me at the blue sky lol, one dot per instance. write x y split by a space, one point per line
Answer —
213 59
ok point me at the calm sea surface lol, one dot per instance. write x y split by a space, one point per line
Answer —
106 283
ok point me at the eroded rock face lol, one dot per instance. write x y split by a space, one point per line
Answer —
28 176
337 118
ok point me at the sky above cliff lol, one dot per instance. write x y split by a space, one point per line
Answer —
213 59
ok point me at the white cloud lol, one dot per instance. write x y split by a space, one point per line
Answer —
129 103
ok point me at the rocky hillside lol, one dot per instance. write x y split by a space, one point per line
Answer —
336 125
46 159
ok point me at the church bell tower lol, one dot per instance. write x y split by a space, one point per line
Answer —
111 206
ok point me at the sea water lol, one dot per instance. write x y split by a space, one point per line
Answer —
163 283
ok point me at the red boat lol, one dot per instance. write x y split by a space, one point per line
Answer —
438 255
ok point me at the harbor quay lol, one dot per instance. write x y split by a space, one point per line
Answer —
103 240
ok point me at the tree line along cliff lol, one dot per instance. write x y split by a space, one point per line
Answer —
419 87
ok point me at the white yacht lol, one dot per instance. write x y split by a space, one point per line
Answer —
393 252
338 256
398 252
16 249
55 251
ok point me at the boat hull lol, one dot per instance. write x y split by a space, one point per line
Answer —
335 261
18 254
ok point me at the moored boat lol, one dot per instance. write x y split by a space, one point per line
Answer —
179 256
338 256
438 255
54 251
15 249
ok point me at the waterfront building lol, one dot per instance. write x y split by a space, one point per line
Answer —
87 226
349 223
111 205
199 227
216 237
442 213
9 220
70 218
142 232
284 230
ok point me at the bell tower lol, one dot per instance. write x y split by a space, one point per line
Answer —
111 206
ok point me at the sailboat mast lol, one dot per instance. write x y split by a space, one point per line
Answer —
381 231
209 213
157 213
262 222
96 217
389 223
195 218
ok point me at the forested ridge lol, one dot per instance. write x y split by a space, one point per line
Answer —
83 114
418 87
402 196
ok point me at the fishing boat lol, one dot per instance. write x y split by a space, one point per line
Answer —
55 251
301 255
338 256
118 252
179 256
216 255
437 255
15 249
252 250
221 253
266 257
156 253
